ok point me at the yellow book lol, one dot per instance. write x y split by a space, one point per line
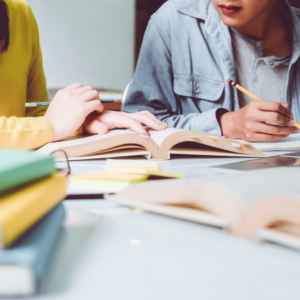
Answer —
130 178
122 166
20 209
142 167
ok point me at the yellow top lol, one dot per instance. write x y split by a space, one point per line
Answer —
22 80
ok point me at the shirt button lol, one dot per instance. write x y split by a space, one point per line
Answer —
271 64
255 78
258 44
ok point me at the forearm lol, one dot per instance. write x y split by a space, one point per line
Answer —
25 133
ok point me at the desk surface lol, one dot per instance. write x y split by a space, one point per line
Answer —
109 252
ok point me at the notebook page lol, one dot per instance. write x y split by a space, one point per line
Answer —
74 141
291 142
159 136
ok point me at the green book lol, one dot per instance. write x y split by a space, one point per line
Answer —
19 167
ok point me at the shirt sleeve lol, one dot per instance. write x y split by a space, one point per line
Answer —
152 88
25 133
32 131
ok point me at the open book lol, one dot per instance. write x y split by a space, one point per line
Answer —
160 145
290 143
260 205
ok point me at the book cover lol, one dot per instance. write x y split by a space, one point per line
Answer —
21 208
19 167
23 266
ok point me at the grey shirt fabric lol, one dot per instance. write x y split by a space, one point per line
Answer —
265 77
185 62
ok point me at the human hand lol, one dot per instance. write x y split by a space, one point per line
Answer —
249 123
100 123
70 107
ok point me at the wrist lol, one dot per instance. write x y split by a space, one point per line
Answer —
50 125
227 125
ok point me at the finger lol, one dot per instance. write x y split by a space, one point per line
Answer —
149 114
96 127
273 117
94 105
286 105
102 128
83 90
273 129
73 86
89 96
275 107
148 121
127 122
153 117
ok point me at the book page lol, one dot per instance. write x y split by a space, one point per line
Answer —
279 237
79 140
159 136
291 142
197 216
251 186
228 197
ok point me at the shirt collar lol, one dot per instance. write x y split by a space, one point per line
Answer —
198 9
204 10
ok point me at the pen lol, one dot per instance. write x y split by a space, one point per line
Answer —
36 104
237 86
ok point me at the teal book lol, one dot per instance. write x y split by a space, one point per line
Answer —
19 167
23 266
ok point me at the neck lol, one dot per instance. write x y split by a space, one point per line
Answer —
270 27
264 23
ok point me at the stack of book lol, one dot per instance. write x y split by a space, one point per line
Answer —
31 218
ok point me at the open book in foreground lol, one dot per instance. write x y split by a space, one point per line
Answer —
160 145
261 205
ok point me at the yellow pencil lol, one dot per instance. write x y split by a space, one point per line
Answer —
237 86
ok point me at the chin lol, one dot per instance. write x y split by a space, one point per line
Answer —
234 22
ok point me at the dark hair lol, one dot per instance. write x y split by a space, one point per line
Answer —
4 31
294 3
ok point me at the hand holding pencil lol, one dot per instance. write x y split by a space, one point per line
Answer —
252 122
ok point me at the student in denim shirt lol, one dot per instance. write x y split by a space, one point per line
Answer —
187 57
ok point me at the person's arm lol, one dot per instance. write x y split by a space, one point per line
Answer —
33 130
24 133
42 125
152 87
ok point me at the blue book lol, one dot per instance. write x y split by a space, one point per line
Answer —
23 266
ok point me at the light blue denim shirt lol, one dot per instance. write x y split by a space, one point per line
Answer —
185 62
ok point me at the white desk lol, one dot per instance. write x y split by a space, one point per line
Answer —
119 254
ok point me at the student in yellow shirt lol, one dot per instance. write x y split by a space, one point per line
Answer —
22 80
